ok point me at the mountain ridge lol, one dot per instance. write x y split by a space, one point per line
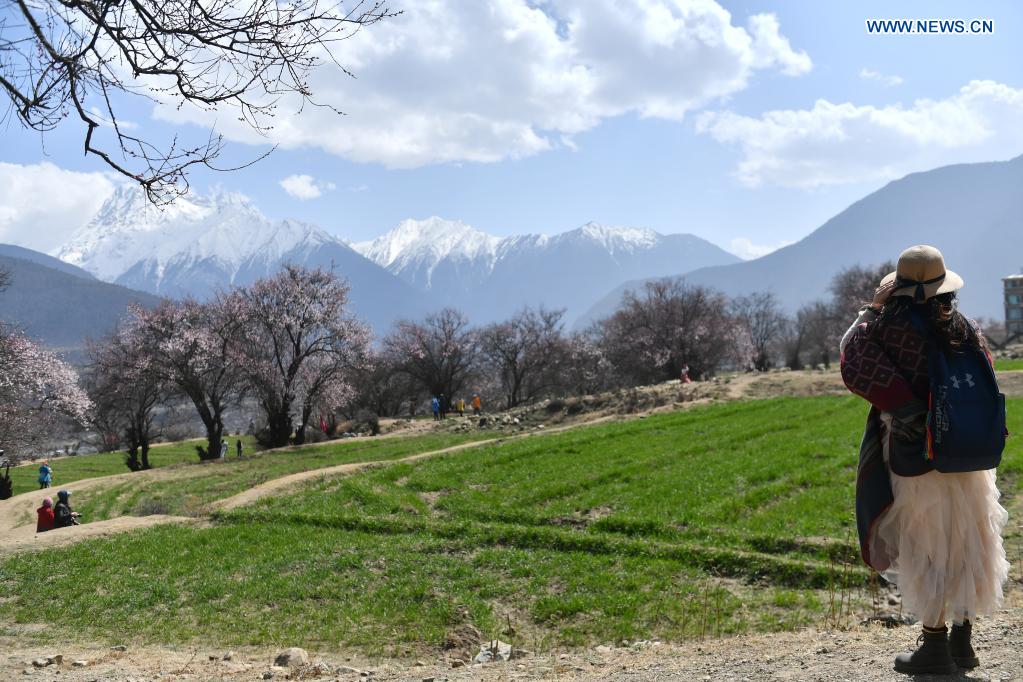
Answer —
972 212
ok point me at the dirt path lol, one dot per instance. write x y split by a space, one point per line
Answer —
859 653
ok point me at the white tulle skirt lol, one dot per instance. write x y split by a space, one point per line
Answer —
944 532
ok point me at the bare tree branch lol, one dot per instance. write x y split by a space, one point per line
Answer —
82 59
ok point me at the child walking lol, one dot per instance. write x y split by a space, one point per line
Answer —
937 536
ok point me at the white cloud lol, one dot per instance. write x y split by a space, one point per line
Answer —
305 186
747 250
884 79
454 81
833 144
41 204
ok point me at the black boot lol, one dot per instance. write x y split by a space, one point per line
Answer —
959 645
931 657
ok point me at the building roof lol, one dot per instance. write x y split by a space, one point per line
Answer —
1008 277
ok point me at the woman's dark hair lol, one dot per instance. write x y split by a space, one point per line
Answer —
946 323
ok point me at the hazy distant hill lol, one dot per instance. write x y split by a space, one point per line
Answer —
12 251
59 308
972 212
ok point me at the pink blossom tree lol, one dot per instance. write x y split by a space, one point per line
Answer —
441 353
37 390
191 348
126 386
299 347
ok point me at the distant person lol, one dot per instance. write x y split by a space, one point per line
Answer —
223 448
412 408
460 406
63 515
927 512
45 475
477 404
44 514
684 375
238 447
443 406
435 406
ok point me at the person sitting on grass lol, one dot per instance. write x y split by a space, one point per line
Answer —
44 522
63 515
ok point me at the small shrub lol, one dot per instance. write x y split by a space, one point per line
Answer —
367 421
555 405
151 506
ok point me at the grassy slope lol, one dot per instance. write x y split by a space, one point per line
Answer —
191 489
617 531
67 470
1008 364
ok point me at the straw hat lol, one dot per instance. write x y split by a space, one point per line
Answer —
921 273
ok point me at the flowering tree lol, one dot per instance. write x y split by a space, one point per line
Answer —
298 347
528 352
668 326
761 320
440 353
36 390
190 346
126 385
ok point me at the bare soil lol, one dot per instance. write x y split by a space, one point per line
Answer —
861 652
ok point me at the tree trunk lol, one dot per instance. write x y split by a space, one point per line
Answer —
132 460
278 430
214 435
6 484
145 455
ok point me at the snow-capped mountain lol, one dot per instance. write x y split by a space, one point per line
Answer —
490 277
129 239
202 244
434 253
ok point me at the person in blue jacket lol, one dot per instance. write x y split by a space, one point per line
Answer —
435 406
45 475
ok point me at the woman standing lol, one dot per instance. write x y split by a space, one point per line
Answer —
937 536
45 475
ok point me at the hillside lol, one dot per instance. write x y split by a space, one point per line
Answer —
581 544
62 308
972 212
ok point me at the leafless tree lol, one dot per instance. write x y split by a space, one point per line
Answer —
528 352
84 59
441 353
669 325
760 317
853 288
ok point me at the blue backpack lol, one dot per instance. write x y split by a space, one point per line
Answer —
966 412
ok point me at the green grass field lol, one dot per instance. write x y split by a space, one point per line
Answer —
189 491
67 470
720 519
1008 365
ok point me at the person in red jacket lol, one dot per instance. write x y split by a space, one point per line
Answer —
45 516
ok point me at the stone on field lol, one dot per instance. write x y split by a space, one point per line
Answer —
80 664
292 658
494 650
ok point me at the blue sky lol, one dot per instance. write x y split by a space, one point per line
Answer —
663 129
